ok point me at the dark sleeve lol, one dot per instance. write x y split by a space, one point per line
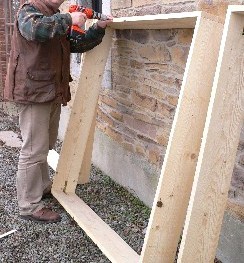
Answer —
82 42
34 26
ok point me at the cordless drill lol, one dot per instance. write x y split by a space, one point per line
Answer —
90 14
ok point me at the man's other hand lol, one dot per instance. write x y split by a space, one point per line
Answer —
104 23
78 18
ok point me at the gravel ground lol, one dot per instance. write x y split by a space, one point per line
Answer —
64 241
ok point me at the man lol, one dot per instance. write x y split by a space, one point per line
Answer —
38 82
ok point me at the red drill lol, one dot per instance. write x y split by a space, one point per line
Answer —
90 14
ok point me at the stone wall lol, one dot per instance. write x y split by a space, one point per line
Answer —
135 114
147 70
137 110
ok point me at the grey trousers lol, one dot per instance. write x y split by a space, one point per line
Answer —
39 130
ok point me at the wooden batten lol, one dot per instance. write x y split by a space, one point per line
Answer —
81 117
175 183
219 146
161 21
110 243
84 174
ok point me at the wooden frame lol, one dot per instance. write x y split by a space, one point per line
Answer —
174 188
219 146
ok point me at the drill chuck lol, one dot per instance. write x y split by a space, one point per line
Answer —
99 16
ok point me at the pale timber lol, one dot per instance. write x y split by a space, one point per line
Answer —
110 243
192 107
219 145
81 117
85 169
161 21
174 187
84 174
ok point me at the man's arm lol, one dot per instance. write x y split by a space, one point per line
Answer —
34 26
92 37
82 42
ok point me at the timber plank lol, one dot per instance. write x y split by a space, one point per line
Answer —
161 21
176 179
175 183
110 243
219 145
85 170
82 114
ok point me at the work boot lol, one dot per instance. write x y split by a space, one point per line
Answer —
43 215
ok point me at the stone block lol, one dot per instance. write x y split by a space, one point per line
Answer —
114 134
163 35
162 138
231 240
121 4
128 146
165 110
185 36
179 55
104 117
155 54
117 116
137 3
144 101
137 35
173 100
108 101
144 128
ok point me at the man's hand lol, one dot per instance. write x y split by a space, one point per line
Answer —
104 23
78 18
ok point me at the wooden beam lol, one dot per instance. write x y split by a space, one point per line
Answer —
85 170
161 21
219 145
82 114
175 183
110 243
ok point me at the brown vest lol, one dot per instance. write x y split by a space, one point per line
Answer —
38 71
